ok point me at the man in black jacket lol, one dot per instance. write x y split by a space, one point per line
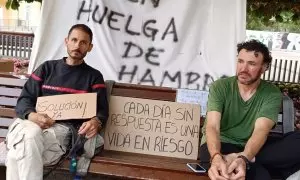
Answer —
34 138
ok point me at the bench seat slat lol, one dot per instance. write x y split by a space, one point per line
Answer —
121 171
136 170
150 161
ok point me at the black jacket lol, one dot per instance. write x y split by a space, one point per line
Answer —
56 77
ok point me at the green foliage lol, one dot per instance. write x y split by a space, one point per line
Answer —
273 8
273 15
290 89
282 23
15 4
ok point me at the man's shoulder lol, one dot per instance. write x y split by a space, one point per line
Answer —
93 71
270 87
51 62
46 65
222 82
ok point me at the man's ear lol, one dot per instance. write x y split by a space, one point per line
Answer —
66 41
266 67
91 47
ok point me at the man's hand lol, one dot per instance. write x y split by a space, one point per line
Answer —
229 158
43 120
237 169
218 169
89 128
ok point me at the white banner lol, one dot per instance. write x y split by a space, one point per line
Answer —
175 43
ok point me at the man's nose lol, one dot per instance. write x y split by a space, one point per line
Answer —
244 67
77 45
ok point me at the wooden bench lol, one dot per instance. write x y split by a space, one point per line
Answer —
120 164
110 163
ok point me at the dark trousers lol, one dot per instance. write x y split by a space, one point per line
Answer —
277 155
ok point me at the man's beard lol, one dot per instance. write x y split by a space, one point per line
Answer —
251 80
77 57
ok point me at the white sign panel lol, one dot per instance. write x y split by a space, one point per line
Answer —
193 97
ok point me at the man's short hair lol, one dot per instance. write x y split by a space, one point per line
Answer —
82 27
256 46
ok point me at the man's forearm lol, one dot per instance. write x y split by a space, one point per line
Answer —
258 137
254 144
213 140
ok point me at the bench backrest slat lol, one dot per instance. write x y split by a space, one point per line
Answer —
7 91
12 82
8 101
7 112
3 133
5 122
145 92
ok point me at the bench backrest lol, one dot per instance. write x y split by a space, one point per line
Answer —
286 117
10 90
11 86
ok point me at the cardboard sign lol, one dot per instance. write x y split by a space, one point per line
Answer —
153 127
68 106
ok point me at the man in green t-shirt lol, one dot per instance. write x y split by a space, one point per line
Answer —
241 111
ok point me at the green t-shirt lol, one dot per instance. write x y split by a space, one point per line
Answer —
238 116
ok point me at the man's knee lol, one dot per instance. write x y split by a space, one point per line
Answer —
295 135
257 172
31 130
25 129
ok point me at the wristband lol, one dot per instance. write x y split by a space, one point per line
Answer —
247 162
213 156
99 123
98 120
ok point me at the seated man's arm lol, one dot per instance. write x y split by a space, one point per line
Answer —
25 107
91 127
28 97
216 99
213 133
258 138
218 169
102 103
237 168
268 116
